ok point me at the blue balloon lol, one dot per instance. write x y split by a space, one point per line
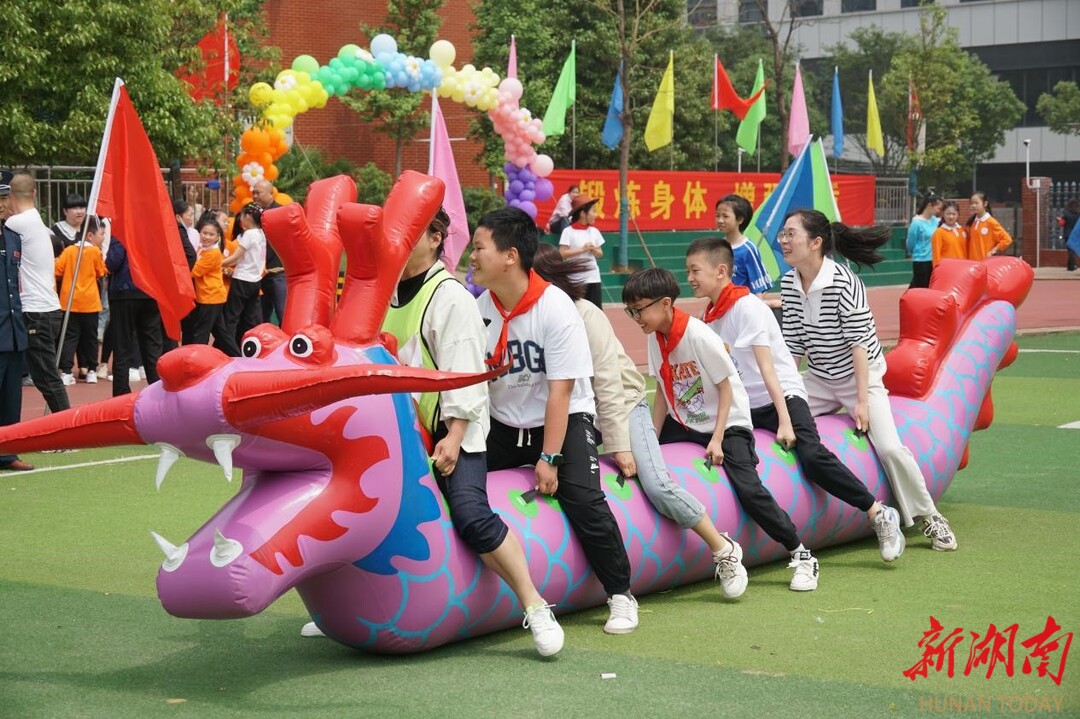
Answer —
383 43
526 175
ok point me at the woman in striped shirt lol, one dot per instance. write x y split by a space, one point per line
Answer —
826 317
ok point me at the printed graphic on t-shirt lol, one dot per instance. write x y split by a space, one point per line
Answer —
689 391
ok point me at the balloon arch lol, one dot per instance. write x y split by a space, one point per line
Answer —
308 85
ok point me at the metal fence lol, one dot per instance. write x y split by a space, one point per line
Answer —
1060 192
54 184
892 204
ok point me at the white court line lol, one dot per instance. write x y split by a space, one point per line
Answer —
1055 352
39 470
1070 425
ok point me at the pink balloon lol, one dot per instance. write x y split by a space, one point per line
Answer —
512 87
542 166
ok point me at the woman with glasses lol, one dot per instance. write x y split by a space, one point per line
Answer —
827 318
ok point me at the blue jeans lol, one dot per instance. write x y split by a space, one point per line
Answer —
274 289
669 498
470 511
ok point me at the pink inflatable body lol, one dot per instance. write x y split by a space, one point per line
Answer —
337 500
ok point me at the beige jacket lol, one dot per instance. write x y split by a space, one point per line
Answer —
617 384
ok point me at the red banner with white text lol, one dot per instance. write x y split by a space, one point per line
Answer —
686 200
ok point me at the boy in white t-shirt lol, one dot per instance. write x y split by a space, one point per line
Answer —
583 241
700 399
542 409
778 398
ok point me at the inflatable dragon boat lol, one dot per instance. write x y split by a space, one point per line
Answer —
337 499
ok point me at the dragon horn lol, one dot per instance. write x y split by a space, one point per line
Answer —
102 424
251 398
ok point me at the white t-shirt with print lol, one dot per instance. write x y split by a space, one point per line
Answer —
547 342
37 270
698 363
251 265
574 238
751 323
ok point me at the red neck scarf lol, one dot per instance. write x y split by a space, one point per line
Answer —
725 301
532 295
679 321
580 226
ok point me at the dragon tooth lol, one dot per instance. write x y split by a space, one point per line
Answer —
223 446
225 550
174 556
169 455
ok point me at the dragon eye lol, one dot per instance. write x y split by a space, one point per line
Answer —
251 347
301 346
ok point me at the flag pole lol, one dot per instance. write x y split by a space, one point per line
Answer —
573 135
759 150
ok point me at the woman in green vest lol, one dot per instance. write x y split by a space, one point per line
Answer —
434 315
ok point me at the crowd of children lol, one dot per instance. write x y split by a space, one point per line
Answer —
935 234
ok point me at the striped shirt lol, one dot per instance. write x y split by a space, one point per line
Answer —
828 321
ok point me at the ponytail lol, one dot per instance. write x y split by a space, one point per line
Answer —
551 266
856 244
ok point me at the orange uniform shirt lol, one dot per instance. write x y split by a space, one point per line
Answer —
87 297
949 242
209 286
985 234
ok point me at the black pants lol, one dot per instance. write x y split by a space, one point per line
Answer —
11 369
202 320
594 293
43 329
241 313
134 320
1070 265
274 289
740 465
920 274
579 492
80 340
820 466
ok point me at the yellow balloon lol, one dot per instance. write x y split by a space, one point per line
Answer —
260 94
442 53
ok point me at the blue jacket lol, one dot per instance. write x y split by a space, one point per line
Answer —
121 285
13 337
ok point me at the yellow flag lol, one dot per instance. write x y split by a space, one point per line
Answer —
659 131
874 139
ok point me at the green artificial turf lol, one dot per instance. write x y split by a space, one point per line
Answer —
83 634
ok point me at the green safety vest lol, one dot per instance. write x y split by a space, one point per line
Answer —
404 322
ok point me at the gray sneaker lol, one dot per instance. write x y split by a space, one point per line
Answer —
941 535
890 539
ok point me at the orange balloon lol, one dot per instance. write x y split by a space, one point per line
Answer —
283 199
235 206
244 159
271 173
254 141
265 159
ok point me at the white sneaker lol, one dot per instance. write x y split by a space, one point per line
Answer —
311 630
806 571
623 619
941 535
142 373
890 539
91 377
730 570
103 369
547 634
133 375
67 379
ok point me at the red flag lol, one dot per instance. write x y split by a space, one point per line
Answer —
220 70
724 96
128 188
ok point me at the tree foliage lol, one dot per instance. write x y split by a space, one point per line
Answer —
414 24
1061 108
58 62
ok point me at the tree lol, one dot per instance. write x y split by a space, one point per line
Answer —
1061 108
414 24
58 62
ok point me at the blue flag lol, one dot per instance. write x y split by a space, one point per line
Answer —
837 116
612 134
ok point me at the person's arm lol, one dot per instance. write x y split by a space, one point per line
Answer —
116 257
715 451
785 433
235 257
612 412
58 265
1002 240
935 245
862 388
912 235
556 419
659 409
446 452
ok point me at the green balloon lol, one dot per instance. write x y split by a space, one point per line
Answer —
305 63
348 52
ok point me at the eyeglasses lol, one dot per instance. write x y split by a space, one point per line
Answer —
635 312
787 234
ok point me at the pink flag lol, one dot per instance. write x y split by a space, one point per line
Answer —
441 165
798 121
511 64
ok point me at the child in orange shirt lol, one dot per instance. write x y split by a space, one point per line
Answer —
82 295
210 292
986 236
949 239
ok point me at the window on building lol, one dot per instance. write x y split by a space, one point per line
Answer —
915 3
750 11
807 8
701 13
858 5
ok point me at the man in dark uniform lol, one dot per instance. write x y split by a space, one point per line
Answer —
273 282
13 337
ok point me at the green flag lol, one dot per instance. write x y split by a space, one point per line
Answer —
563 97
747 135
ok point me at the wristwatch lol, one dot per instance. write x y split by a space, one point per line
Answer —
554 459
